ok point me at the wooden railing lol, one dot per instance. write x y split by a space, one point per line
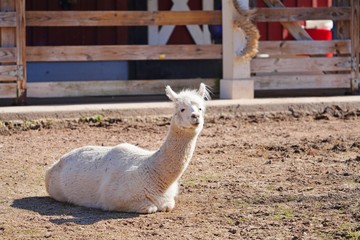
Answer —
303 64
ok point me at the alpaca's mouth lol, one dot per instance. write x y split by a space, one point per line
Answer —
195 121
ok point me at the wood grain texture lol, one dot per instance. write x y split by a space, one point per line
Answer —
6 73
302 64
7 54
120 18
8 90
123 52
286 14
355 45
113 88
305 47
7 19
284 82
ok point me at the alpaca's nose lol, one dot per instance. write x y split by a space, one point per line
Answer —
195 115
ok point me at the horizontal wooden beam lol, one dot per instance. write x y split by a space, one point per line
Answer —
300 64
302 13
151 87
7 19
304 47
283 82
8 90
112 88
144 18
122 52
7 73
120 18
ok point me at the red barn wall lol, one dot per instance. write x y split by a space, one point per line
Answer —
56 36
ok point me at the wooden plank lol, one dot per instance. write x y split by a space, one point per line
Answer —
302 64
7 68
112 88
123 52
355 45
8 90
294 28
283 82
302 13
304 47
21 49
7 19
120 18
7 54
7 73
7 78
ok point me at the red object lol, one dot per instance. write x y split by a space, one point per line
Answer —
321 34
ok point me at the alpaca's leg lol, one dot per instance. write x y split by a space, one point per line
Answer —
147 207
170 195
168 206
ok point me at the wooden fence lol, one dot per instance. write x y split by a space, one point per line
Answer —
304 64
300 64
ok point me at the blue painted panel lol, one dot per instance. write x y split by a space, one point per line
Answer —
76 71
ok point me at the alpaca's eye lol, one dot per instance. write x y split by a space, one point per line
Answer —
200 109
182 110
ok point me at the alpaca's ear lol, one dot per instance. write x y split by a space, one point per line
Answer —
204 92
171 94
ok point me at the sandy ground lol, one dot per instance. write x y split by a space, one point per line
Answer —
252 177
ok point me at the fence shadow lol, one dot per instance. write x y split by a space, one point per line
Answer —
67 213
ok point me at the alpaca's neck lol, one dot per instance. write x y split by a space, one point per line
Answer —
173 157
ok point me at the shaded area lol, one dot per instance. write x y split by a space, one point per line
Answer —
65 212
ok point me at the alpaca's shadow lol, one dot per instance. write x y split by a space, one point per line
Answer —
64 213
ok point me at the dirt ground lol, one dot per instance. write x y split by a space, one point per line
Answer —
251 177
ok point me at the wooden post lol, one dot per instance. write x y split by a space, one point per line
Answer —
355 46
236 82
21 49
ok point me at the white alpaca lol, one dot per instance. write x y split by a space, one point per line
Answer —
128 178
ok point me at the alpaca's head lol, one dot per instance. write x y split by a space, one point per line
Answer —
189 107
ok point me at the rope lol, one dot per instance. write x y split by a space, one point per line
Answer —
252 34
